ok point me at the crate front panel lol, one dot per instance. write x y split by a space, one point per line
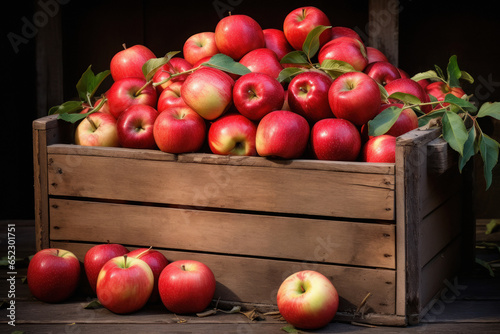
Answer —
329 241
281 190
256 280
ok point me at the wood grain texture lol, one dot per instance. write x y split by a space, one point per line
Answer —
314 240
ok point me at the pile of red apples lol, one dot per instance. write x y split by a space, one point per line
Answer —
191 107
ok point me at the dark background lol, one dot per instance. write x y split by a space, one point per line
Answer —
93 31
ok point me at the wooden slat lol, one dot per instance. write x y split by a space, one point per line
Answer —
342 242
292 191
440 156
113 152
257 280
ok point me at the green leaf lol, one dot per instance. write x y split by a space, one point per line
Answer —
294 57
336 68
464 104
454 131
72 118
489 152
288 73
454 72
67 107
383 121
467 77
311 43
423 120
227 64
290 329
95 304
490 227
151 66
469 149
405 98
89 83
485 265
491 109
428 75
440 73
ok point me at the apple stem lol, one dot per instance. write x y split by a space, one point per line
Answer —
124 46
183 267
144 252
175 75
125 260
143 87
91 122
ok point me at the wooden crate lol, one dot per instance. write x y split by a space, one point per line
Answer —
394 231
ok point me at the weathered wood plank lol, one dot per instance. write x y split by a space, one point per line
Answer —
233 274
291 191
330 241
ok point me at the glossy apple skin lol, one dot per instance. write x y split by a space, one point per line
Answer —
174 66
374 54
382 72
300 21
308 95
283 134
257 94
97 129
170 97
409 86
236 35
208 91
335 139
232 134
53 275
156 262
345 32
124 284
97 256
179 130
135 127
355 96
347 49
198 46
186 286
126 92
380 149
128 62
440 89
262 60
275 40
307 300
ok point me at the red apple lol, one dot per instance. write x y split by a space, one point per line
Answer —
424 83
347 49
135 126
170 97
104 108
374 54
409 86
380 149
156 261
283 134
403 73
124 284
53 275
97 129
307 300
355 96
174 66
335 139
236 35
262 60
208 91
128 62
257 94
97 256
179 130
300 21
345 32
382 72
440 89
129 91
186 286
232 134
308 95
275 40
198 46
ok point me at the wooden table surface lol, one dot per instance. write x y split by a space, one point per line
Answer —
470 305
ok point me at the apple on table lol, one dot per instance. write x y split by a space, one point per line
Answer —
53 275
97 256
